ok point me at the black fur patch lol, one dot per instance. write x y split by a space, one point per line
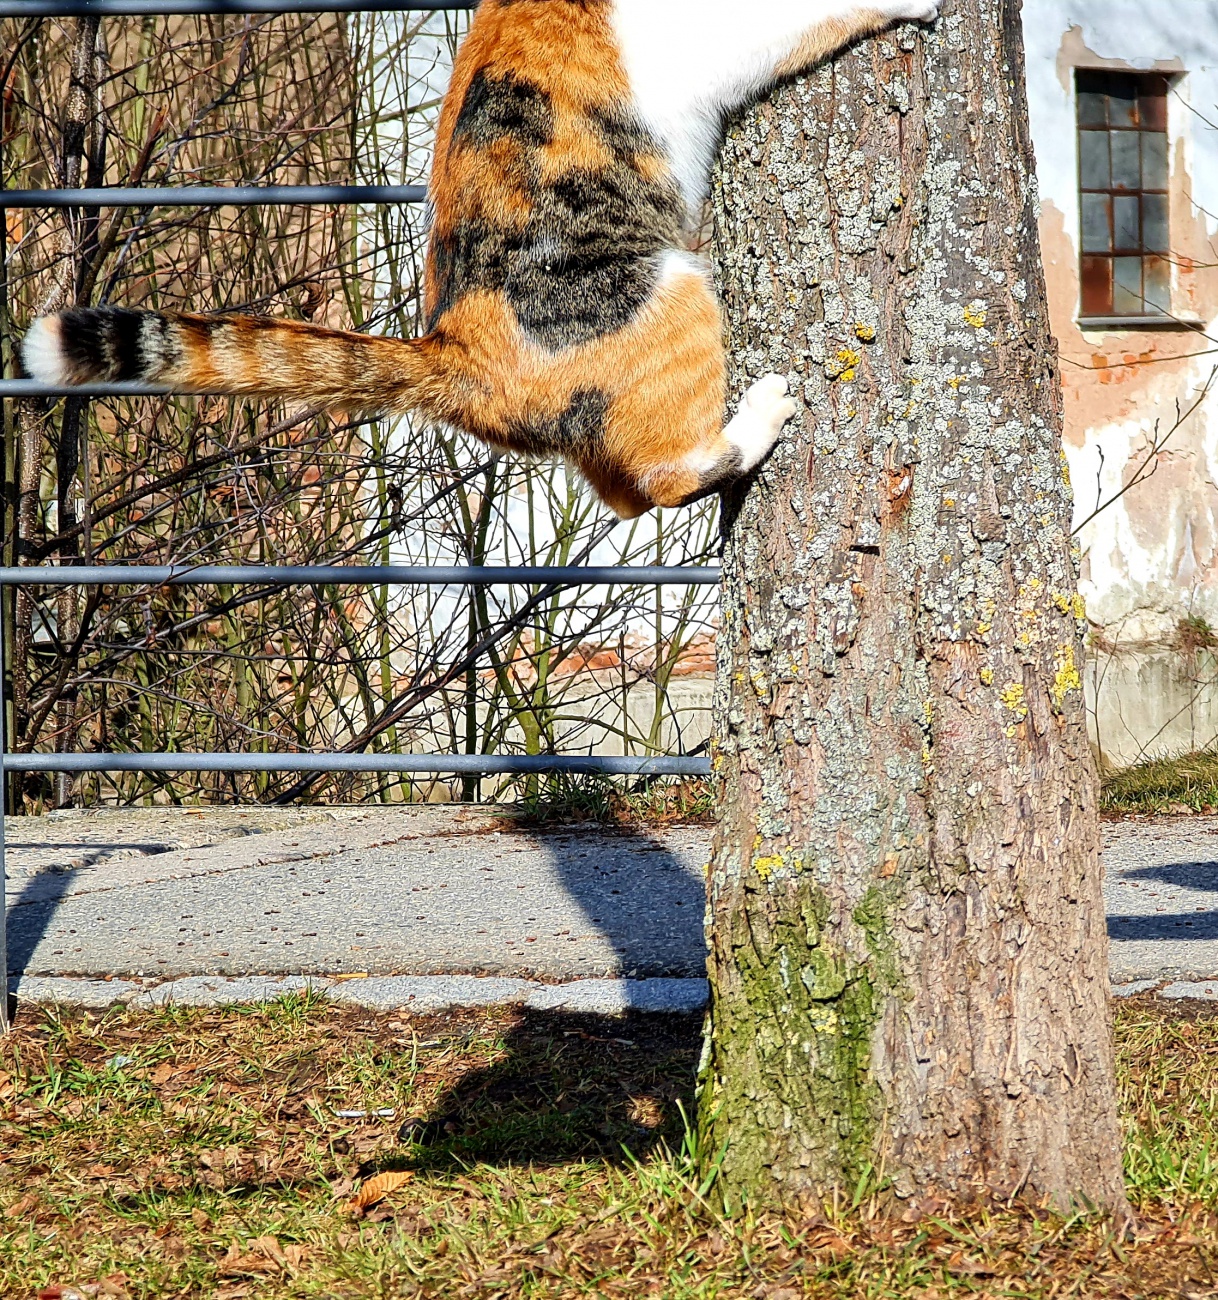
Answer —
581 427
727 470
624 135
103 342
586 260
506 107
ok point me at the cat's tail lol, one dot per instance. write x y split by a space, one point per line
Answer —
236 354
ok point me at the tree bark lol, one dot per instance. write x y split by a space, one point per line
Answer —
909 951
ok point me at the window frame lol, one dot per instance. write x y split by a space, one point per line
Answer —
1148 88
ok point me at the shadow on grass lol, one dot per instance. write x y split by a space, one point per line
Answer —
568 1087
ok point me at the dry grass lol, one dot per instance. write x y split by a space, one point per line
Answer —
547 1158
1187 783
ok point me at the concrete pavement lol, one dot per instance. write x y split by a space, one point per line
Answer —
160 894
419 891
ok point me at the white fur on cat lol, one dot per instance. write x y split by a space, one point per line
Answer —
690 62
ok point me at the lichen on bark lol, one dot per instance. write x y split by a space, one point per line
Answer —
908 938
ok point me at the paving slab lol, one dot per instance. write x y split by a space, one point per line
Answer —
151 895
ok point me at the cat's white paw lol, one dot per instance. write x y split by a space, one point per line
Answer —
758 422
768 399
912 11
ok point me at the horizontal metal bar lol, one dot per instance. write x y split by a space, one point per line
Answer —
425 764
211 196
96 575
111 8
25 388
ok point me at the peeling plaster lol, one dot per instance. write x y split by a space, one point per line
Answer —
1151 558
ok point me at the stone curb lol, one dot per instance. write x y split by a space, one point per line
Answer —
433 994
421 995
1173 991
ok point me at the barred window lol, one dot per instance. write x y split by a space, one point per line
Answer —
1123 174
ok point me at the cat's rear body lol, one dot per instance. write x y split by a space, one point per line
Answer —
563 315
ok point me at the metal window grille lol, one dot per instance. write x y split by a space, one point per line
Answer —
555 577
1123 183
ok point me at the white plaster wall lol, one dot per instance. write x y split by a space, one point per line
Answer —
1138 581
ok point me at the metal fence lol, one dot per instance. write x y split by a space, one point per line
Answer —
551 578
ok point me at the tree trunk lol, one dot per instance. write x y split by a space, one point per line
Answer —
909 952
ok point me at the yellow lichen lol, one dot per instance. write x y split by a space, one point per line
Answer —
1013 699
765 867
955 381
1067 678
864 332
824 1019
987 677
844 365
975 315
1074 605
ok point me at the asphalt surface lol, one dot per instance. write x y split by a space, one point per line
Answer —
412 891
1162 897
165 893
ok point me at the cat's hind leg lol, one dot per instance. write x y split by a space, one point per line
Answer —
664 441
742 445
707 465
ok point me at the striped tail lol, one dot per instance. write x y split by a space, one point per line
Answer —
234 354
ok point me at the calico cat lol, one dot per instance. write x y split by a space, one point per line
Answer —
563 315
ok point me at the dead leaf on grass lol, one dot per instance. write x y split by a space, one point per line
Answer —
263 1255
376 1189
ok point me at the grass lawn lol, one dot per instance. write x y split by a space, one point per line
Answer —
205 1153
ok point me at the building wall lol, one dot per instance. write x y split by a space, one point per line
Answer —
1141 427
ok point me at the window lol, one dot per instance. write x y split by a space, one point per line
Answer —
1123 172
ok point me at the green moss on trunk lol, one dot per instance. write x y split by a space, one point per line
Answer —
793 1044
